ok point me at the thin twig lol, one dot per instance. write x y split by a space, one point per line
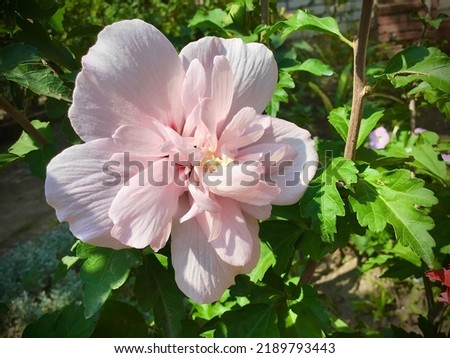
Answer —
359 87
22 121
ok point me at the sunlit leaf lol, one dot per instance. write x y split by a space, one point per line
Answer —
418 63
285 81
26 143
339 118
311 65
322 202
303 20
307 317
103 271
266 259
394 198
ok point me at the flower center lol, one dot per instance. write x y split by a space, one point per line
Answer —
211 162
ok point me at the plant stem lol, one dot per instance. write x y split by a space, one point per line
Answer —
264 18
308 272
359 87
22 121
265 12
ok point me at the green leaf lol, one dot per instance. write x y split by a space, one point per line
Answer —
281 236
40 79
308 318
68 323
420 64
392 198
311 65
375 261
406 253
427 159
155 285
303 20
322 202
56 21
215 20
7 158
103 271
64 266
312 246
14 54
36 157
251 321
280 95
26 144
340 117
121 320
266 259
34 34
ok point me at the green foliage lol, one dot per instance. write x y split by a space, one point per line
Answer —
155 288
394 198
103 270
121 320
260 321
339 118
420 64
303 20
429 68
281 237
285 81
322 201
307 316
67 323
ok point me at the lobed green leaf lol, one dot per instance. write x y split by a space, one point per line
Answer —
322 202
395 198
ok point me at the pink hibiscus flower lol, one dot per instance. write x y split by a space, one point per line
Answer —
175 145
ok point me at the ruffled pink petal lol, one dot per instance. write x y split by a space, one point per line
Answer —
253 65
291 176
199 272
242 182
203 199
238 124
132 73
234 242
82 192
142 211
260 212
222 88
140 140
194 88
